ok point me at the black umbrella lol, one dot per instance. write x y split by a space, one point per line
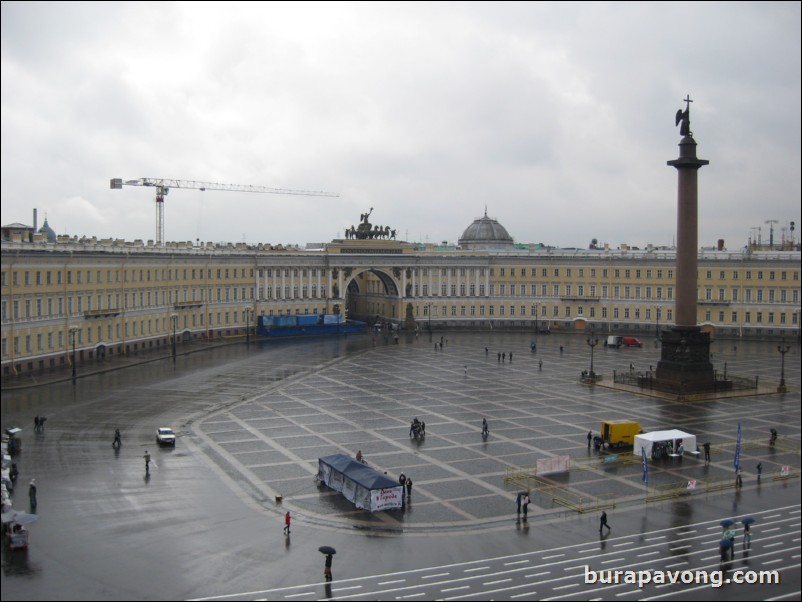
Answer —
747 520
727 523
327 550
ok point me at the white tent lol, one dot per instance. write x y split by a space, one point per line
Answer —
646 440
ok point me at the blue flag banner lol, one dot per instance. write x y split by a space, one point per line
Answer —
645 465
737 460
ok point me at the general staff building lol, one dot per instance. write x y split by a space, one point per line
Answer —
64 297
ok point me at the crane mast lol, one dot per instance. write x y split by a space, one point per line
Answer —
163 186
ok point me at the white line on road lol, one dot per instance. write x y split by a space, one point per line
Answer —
613 560
453 589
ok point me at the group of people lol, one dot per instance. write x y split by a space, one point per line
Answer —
39 424
417 428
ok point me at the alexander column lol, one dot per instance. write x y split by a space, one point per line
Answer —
685 365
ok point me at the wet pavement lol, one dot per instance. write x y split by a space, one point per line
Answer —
252 423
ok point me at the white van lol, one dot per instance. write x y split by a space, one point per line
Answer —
613 341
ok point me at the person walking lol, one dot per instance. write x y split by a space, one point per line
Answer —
32 494
590 438
540 365
707 451
510 356
466 371
759 472
327 567
287 521
485 429
499 357
409 487
146 457
518 499
738 478
36 424
525 502
603 522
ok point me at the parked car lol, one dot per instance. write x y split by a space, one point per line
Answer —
165 436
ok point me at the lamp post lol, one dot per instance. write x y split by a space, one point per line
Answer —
592 342
73 334
429 312
173 320
783 349
657 318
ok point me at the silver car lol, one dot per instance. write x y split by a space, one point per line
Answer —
165 436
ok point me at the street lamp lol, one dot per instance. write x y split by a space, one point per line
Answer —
174 320
657 327
592 342
429 311
783 349
73 333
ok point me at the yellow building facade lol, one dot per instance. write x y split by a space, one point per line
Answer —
92 299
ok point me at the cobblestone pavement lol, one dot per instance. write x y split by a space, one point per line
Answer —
271 441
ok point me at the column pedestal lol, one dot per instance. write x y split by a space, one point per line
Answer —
685 367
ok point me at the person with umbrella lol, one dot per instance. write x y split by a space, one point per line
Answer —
729 535
747 521
329 552
724 550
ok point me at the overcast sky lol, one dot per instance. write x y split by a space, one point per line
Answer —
557 118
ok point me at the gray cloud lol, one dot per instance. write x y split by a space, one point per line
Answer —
557 117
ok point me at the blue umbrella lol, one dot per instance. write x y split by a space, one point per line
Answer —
725 543
727 523
747 520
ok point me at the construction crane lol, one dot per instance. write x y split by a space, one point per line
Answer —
163 186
